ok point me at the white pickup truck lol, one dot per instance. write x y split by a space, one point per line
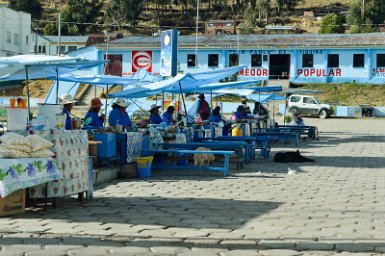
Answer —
308 105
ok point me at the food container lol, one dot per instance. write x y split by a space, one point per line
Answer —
17 119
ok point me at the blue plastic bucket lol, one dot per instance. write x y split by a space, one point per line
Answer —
144 166
182 162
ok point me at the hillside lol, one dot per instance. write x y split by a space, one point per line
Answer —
168 14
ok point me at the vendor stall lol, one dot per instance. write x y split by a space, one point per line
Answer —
71 150
25 173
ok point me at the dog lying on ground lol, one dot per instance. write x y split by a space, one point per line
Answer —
291 157
203 159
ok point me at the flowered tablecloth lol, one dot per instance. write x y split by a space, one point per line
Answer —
71 149
25 173
134 145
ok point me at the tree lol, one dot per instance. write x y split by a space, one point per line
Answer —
363 15
31 6
80 12
129 10
332 24
290 4
249 20
50 29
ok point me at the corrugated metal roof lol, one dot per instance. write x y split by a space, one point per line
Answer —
260 41
68 39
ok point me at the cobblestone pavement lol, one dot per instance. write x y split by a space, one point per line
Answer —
334 206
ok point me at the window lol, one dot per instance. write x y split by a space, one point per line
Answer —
72 48
16 39
191 60
295 99
265 58
256 60
213 60
9 37
358 60
41 49
308 100
380 60
26 40
233 60
62 49
333 61
307 60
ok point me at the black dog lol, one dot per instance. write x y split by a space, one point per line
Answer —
291 157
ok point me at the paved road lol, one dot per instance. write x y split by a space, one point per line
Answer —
334 206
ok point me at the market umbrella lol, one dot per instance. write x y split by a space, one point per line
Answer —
37 63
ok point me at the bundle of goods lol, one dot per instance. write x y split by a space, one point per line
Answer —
17 146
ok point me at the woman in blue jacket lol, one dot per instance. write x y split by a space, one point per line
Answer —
118 115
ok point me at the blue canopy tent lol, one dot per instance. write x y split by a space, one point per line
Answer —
37 67
25 62
182 83
140 78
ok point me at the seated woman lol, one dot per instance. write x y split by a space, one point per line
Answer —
68 102
167 116
155 118
216 115
260 110
93 114
239 114
297 120
118 115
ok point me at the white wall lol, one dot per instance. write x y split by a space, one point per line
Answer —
15 32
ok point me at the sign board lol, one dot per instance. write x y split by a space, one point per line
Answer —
169 52
141 60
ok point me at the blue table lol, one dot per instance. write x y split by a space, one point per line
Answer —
163 165
236 146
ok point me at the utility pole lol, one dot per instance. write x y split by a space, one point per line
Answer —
59 32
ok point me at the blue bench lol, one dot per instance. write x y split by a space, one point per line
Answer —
285 135
234 146
163 164
254 141
310 131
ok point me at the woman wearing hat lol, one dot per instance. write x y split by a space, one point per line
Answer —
93 113
68 103
118 115
155 118
168 115
203 108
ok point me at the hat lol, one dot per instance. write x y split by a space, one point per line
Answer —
153 106
66 99
121 102
95 103
201 96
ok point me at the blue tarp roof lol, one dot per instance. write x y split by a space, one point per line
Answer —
50 71
264 98
189 82
141 77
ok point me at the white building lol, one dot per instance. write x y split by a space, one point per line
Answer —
49 45
15 32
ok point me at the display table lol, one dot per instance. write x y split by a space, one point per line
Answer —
72 159
23 173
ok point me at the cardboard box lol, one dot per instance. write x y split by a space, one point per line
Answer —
13 204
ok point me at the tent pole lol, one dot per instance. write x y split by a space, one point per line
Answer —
284 113
27 88
184 104
105 109
57 85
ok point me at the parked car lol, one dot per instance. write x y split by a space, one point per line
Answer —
308 105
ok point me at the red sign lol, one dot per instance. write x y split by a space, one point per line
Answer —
319 72
141 60
254 72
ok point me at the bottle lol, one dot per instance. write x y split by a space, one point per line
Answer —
118 126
